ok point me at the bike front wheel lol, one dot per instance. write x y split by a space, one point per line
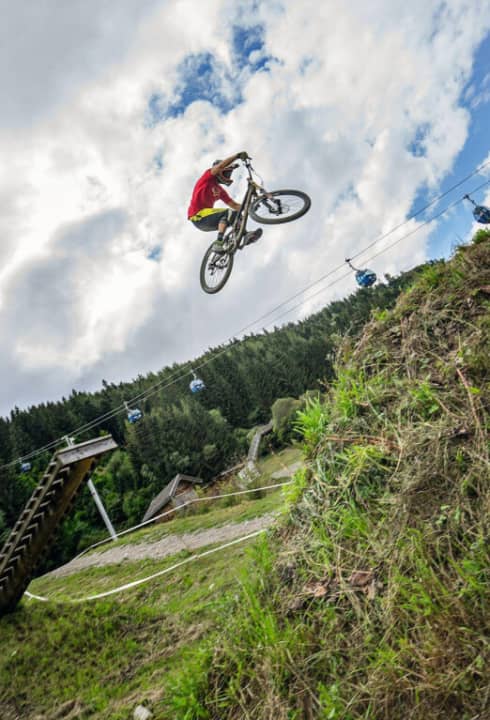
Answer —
280 206
215 270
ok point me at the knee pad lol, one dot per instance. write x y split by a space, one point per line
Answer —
230 216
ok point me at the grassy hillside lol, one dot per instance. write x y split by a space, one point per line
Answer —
101 659
198 434
369 600
373 600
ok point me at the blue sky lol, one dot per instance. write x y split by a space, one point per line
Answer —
474 153
202 77
372 108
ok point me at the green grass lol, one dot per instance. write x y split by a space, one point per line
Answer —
280 460
114 654
202 516
372 599
369 601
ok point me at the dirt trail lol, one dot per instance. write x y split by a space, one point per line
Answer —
168 545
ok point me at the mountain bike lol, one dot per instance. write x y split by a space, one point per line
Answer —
268 208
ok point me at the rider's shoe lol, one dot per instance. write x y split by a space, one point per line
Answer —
219 247
252 236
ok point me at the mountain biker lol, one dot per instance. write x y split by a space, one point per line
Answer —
207 191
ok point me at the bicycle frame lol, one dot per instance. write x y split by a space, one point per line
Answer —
269 208
240 223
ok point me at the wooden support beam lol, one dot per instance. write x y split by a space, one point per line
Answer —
43 513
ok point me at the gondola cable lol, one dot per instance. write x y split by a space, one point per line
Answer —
163 384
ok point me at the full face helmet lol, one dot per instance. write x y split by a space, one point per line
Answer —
224 177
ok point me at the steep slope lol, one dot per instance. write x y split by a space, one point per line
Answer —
199 434
374 595
370 600
69 659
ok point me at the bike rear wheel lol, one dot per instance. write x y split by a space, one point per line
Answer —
215 270
280 206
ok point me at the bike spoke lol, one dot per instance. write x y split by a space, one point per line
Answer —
280 206
216 271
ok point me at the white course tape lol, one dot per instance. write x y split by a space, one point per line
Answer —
174 510
135 583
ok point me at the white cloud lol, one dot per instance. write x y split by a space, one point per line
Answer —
49 50
360 107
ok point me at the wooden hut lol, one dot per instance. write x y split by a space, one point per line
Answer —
179 491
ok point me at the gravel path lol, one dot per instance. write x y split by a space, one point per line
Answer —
287 472
169 545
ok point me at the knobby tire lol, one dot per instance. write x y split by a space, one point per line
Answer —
261 205
205 270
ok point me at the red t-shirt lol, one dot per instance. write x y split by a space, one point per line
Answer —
206 192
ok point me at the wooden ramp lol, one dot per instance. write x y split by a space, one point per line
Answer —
49 502
253 450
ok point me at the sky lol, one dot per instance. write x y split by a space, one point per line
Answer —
112 109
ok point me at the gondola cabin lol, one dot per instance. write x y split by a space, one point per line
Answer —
25 467
133 414
365 278
196 384
480 212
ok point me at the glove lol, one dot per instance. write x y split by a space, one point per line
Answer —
243 155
